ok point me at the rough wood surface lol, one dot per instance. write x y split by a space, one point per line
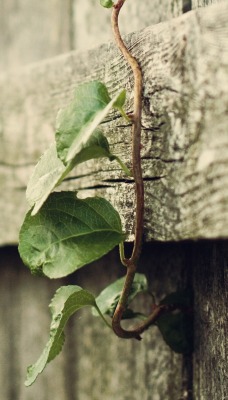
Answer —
210 272
184 145
94 365
203 3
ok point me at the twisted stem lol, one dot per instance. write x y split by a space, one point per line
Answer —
131 263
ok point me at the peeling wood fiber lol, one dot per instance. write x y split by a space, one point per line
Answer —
184 144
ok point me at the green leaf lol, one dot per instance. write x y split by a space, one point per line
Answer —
68 233
48 173
119 103
106 3
177 331
180 298
109 297
96 147
67 300
50 170
77 122
176 327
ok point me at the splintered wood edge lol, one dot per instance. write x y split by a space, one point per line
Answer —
184 144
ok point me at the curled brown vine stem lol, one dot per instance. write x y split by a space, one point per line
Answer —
131 263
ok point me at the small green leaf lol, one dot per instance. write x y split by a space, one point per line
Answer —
67 300
106 3
77 122
109 297
177 331
119 103
180 298
176 327
68 233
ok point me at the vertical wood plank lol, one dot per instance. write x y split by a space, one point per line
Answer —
24 330
210 260
94 364
109 367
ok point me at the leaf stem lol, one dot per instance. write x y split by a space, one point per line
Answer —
122 254
123 166
102 316
131 263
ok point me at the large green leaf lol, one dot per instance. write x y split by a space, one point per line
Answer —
50 170
68 233
109 297
67 300
77 122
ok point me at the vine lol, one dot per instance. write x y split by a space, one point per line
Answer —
62 233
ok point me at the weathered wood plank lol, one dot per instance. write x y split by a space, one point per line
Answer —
31 30
184 154
88 32
94 364
210 266
203 3
24 330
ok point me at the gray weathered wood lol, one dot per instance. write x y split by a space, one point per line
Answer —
134 16
210 263
184 144
203 3
24 330
94 363
31 30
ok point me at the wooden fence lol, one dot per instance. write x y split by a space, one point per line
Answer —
45 52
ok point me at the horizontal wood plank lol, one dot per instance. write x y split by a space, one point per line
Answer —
184 144
91 24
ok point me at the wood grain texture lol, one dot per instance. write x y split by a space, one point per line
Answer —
203 3
210 261
184 144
